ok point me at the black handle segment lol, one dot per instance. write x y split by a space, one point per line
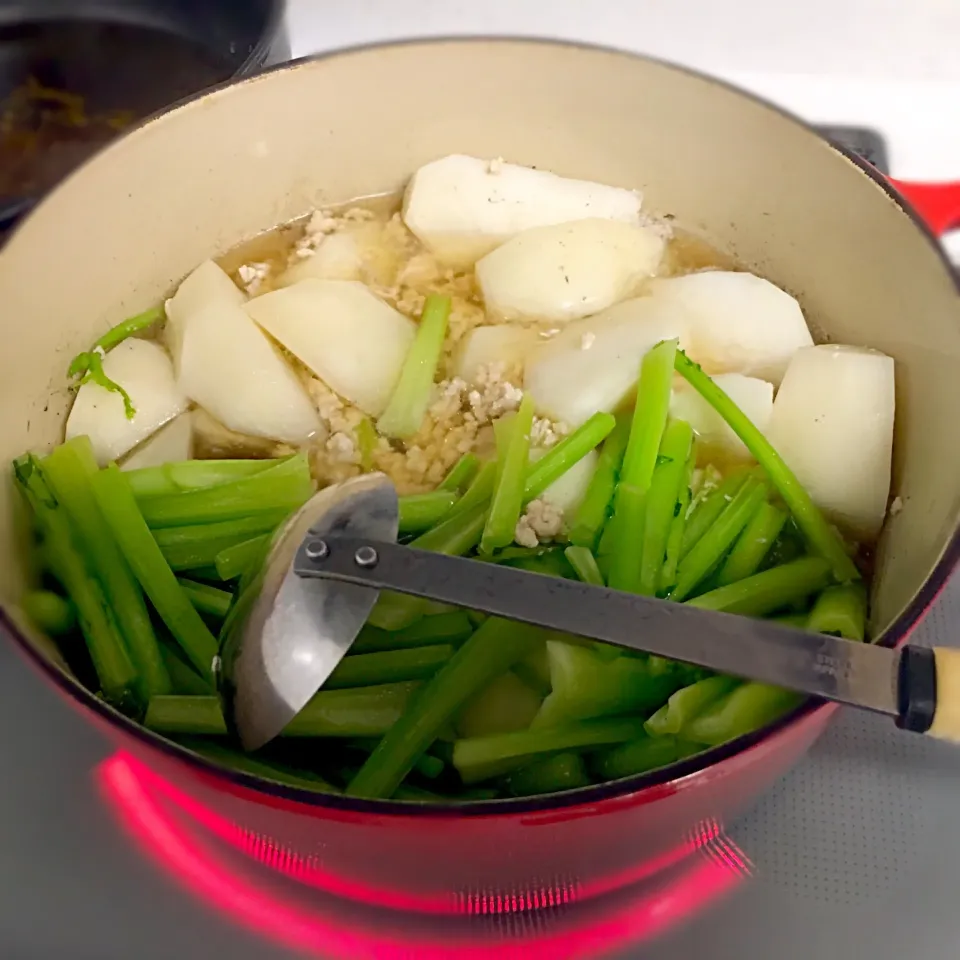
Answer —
916 689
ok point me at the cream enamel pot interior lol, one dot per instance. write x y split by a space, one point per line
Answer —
122 231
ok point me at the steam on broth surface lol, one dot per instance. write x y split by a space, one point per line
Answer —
553 379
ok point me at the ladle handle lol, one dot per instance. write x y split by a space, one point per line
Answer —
814 664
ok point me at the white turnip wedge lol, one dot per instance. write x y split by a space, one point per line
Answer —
506 344
204 287
353 341
144 370
832 422
738 323
230 368
592 364
173 442
339 257
567 271
461 207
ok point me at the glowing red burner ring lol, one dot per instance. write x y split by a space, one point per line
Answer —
131 792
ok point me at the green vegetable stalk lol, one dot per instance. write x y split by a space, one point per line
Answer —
769 591
592 513
185 475
635 756
235 560
420 511
129 529
507 500
569 451
678 525
357 712
206 599
585 685
686 704
841 611
707 511
493 649
711 547
388 666
819 534
584 565
565 771
453 627
197 545
286 486
745 709
411 396
669 476
49 612
753 545
461 474
108 652
70 471
475 756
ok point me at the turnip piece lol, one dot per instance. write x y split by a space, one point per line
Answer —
144 371
567 493
172 443
229 367
567 271
206 286
738 323
505 343
592 364
832 422
753 396
462 207
337 258
353 341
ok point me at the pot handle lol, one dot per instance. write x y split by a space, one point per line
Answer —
937 203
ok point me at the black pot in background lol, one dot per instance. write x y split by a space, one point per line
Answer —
122 60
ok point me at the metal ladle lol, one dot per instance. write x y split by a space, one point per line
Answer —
297 616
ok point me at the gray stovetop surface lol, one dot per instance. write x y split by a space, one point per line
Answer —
856 853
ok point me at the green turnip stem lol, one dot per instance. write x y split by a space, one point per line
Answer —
49 612
592 513
366 442
711 547
461 473
669 476
768 591
286 486
206 599
89 364
70 471
635 756
565 771
668 573
119 507
745 709
420 511
753 545
840 610
411 396
197 545
115 335
233 561
479 492
358 712
584 565
108 652
823 539
626 532
569 451
709 508
507 500
476 753
490 651
184 680
388 666
649 415
443 628
687 704
798 620
185 475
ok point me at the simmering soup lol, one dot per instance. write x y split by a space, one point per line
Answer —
554 379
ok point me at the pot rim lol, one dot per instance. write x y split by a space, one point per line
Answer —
655 783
